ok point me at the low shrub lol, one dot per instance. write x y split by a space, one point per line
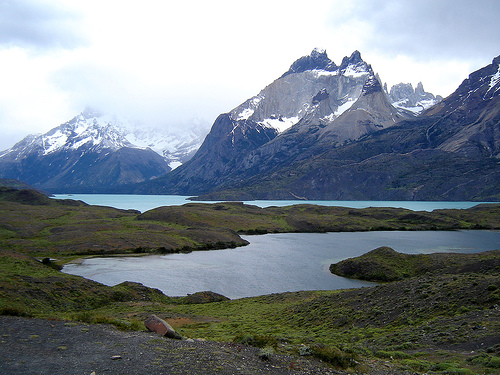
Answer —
257 340
451 368
13 311
266 353
417 364
333 356
494 362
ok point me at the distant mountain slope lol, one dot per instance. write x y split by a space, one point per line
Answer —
314 106
450 152
94 153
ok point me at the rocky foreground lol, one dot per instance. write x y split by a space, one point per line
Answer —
37 346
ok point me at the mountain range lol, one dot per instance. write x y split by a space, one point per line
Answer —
319 131
314 104
94 152
327 131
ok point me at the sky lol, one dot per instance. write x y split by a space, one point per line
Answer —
169 64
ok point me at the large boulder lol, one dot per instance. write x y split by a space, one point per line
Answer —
157 325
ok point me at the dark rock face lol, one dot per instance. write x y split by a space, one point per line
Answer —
468 121
69 171
322 95
221 152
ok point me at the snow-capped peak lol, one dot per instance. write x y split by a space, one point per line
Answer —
88 130
91 131
311 79
354 66
317 60
415 101
316 52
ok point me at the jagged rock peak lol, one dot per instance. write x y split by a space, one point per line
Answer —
318 59
419 89
415 100
372 85
496 60
354 66
318 52
354 59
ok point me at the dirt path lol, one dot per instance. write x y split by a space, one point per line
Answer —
36 346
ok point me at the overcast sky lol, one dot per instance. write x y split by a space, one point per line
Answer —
169 63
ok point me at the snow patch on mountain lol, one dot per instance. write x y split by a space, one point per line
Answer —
495 79
249 108
54 142
245 114
358 70
320 73
280 123
344 107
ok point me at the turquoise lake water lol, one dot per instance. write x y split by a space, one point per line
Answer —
148 202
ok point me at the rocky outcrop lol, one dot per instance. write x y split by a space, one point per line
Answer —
205 297
386 264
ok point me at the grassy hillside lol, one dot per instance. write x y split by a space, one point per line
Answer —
35 224
251 219
386 264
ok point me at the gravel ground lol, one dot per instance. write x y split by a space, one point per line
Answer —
37 346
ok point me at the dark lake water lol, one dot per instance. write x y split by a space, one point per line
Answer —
273 263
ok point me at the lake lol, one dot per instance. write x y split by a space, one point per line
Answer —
148 202
273 263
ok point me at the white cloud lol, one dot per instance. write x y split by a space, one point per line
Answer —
437 42
38 24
